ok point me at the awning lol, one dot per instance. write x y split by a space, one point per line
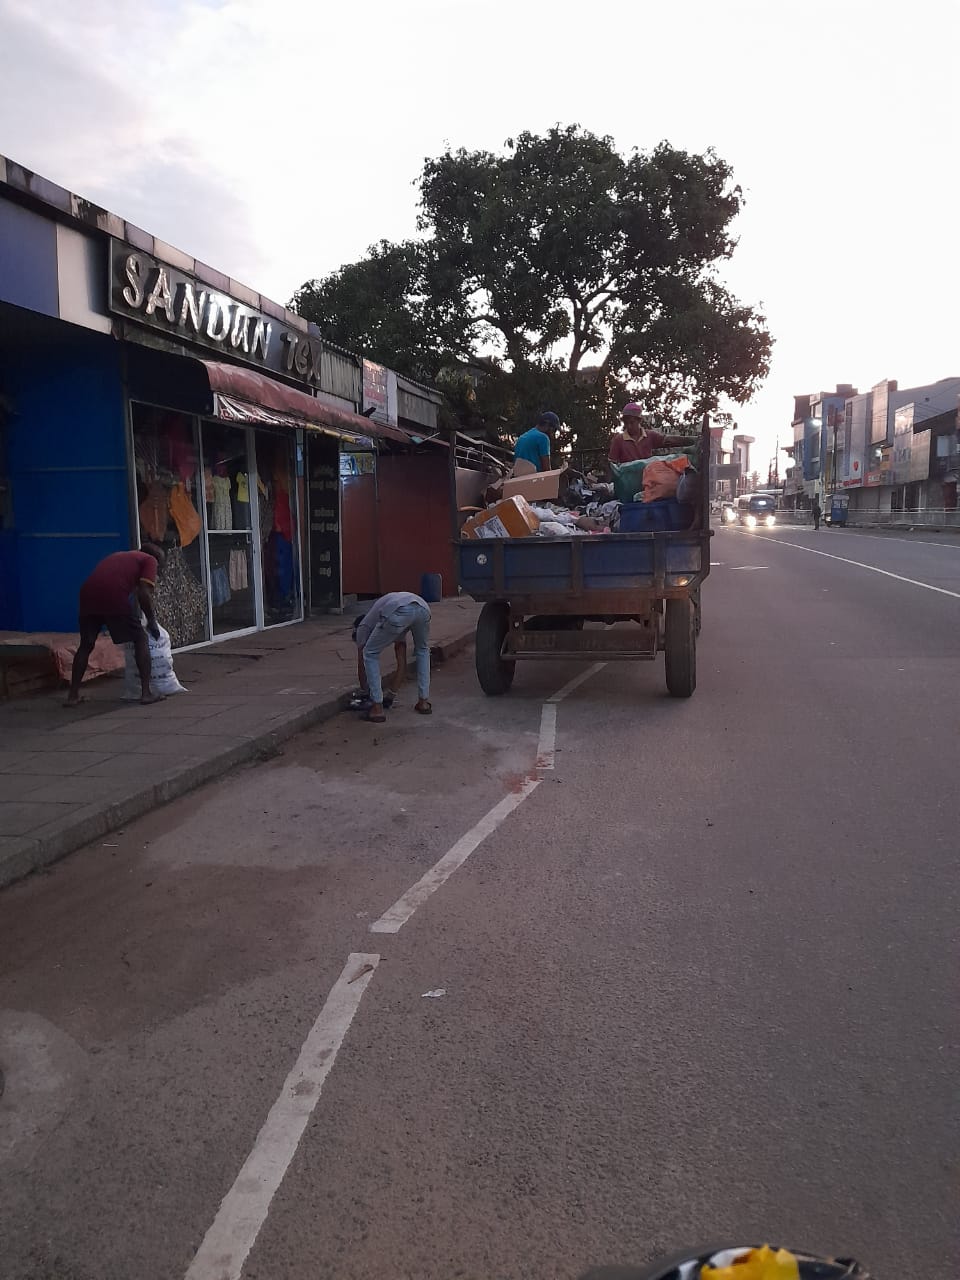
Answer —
244 395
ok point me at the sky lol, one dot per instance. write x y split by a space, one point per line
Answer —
277 139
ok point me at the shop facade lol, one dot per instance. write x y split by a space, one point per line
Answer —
146 397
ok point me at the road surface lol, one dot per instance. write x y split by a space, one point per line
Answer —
695 981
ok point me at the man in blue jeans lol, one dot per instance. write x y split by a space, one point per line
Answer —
386 623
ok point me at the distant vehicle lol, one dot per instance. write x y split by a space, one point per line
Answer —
755 509
728 512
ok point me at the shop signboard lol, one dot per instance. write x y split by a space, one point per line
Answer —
186 309
725 471
379 393
323 501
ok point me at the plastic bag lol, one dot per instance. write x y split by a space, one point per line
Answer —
163 678
688 490
628 478
661 477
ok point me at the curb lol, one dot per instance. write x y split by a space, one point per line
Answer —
55 841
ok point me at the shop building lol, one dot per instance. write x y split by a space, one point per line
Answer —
145 396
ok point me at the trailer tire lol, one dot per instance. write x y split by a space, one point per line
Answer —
680 648
494 672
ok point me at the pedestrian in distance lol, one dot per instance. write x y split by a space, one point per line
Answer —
113 597
386 623
816 512
531 453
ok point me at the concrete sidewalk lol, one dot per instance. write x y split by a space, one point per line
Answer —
68 777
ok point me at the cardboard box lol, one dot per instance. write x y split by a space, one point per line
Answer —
510 518
538 487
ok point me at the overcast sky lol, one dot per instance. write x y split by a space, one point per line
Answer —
277 139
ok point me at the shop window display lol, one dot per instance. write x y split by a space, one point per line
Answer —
226 480
168 479
276 495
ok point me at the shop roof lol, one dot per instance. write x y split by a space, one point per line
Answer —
245 395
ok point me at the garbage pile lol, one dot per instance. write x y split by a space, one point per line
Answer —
655 494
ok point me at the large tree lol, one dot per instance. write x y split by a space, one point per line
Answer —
580 274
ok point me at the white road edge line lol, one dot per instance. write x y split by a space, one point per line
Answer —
576 682
547 746
244 1208
395 917
942 591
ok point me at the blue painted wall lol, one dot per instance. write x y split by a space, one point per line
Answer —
67 466
28 260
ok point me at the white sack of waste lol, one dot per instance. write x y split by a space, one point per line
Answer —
163 678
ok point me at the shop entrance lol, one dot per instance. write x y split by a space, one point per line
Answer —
221 499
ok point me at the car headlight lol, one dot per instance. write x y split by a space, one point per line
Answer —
751 522
728 515
770 521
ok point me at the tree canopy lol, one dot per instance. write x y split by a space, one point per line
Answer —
559 275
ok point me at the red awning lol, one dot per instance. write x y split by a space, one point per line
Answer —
244 395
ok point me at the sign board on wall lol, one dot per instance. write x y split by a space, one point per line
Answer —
380 393
182 307
323 507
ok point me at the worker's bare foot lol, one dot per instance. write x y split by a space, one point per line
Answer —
73 700
149 699
423 708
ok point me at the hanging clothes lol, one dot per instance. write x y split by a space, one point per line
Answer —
241 502
222 516
208 485
219 586
237 572
282 516
185 515
266 511
154 512
183 459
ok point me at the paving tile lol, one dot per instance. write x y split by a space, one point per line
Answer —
76 791
137 766
12 759
18 786
57 763
26 742
21 817
114 744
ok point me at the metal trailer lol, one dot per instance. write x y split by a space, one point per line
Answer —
537 593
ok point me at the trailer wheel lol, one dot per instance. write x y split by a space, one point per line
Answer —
680 646
494 673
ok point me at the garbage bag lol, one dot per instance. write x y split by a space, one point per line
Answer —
628 478
163 678
661 477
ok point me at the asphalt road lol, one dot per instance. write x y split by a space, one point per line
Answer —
700 982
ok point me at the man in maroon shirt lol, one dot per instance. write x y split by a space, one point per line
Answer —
639 441
112 597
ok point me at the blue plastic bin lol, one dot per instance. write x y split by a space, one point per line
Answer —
431 587
655 517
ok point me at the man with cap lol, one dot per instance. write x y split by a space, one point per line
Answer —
639 440
531 453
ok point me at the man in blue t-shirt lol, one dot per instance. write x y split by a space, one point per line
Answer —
532 451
